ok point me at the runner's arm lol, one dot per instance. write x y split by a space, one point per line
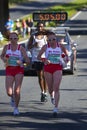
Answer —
26 58
43 49
3 54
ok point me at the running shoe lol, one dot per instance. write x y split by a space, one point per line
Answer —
43 97
12 102
16 111
55 112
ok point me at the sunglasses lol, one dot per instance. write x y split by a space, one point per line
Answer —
13 38
52 39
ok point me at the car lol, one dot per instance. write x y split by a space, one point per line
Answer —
70 45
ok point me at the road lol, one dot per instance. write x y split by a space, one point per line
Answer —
36 115
26 8
78 22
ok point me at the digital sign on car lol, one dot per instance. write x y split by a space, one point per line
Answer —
50 16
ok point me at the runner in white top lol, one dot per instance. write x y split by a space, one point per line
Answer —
36 41
35 50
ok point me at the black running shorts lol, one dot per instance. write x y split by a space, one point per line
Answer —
38 65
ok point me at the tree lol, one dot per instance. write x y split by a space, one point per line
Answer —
4 14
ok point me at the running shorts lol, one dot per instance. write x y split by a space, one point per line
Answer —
14 70
51 68
38 65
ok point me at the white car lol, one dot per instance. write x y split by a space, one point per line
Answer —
62 32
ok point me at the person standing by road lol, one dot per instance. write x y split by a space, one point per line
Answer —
9 25
29 23
12 55
53 67
24 27
18 27
35 43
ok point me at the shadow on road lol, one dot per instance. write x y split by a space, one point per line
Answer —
82 54
27 8
45 121
35 5
77 27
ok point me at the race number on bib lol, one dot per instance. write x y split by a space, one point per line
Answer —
12 61
54 58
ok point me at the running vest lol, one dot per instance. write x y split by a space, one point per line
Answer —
13 55
35 50
54 54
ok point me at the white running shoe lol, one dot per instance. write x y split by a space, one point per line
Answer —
16 111
12 102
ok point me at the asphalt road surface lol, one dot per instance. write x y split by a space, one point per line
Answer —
35 115
27 8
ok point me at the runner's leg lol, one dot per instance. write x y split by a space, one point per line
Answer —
17 87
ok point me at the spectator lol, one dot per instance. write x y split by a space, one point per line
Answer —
18 26
24 28
1 37
9 25
29 23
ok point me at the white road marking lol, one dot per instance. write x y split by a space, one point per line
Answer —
75 15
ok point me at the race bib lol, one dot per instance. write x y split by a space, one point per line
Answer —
12 61
54 58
